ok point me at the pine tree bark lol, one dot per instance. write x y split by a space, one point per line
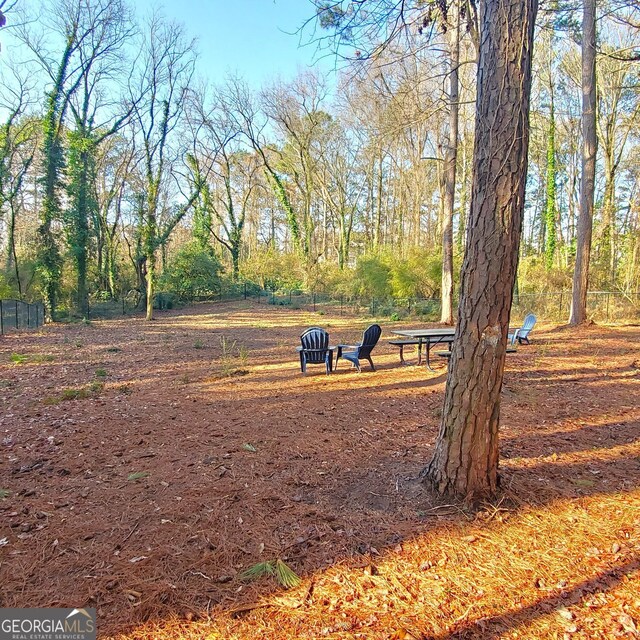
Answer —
465 461
589 147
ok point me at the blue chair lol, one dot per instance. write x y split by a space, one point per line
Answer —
315 349
522 334
362 350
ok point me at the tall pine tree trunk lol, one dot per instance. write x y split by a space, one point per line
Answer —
465 461
587 187
450 160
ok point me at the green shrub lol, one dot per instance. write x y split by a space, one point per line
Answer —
372 277
193 272
328 278
534 277
6 290
166 300
419 275
274 271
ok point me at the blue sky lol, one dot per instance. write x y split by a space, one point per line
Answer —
255 38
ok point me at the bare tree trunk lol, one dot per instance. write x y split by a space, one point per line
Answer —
12 261
608 246
587 186
450 160
465 461
378 222
462 221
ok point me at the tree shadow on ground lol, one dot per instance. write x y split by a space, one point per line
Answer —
496 626
318 474
585 438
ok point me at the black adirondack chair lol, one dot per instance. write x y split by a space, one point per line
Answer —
362 350
315 349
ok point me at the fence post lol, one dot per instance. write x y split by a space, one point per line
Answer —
28 316
245 290
17 327
314 301
341 303
373 306
1 319
608 294
560 306
289 296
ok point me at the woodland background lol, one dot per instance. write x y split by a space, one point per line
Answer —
121 164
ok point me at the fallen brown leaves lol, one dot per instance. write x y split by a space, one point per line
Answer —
149 499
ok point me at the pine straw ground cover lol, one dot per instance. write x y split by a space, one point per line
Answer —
146 466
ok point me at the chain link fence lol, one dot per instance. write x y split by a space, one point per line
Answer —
16 315
602 306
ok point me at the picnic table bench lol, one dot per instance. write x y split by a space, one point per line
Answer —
402 344
447 354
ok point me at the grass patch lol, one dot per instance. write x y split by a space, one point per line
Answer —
4 493
233 359
137 475
101 373
42 357
77 393
36 358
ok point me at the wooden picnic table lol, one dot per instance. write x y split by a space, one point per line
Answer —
428 338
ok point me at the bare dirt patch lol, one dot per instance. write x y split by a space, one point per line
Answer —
147 465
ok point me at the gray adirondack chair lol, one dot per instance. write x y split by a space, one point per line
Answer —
315 349
362 350
522 334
